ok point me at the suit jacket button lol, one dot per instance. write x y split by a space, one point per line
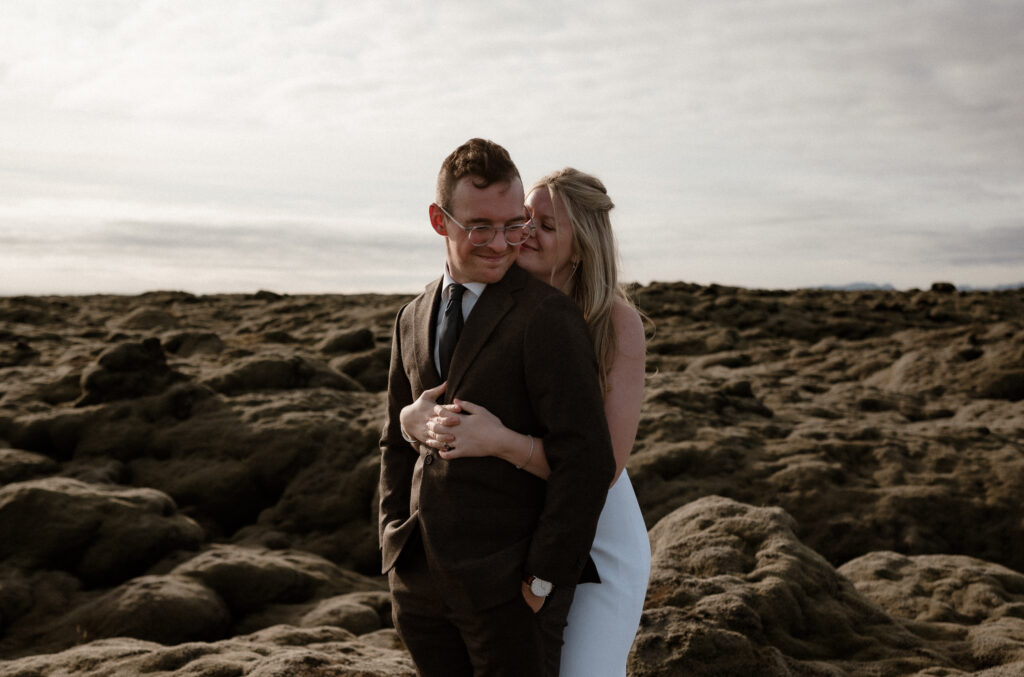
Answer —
429 459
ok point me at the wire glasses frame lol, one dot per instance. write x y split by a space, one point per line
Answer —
481 236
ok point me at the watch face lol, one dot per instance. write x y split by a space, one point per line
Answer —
540 588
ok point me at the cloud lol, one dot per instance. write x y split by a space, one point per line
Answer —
131 257
827 131
998 245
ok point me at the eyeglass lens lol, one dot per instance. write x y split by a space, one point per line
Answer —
481 235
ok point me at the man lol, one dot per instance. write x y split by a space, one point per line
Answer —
471 545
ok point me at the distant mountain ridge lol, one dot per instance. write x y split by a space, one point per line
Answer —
857 286
872 286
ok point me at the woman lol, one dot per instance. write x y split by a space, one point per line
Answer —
572 249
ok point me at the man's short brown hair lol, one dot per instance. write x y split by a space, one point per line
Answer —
484 160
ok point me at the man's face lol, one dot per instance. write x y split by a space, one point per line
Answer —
498 205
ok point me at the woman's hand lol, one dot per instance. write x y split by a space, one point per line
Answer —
464 429
414 417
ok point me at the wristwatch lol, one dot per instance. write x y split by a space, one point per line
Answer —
538 586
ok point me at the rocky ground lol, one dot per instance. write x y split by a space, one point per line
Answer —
832 483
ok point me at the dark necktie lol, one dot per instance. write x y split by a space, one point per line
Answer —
451 326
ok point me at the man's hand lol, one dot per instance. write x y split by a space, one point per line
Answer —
413 417
532 601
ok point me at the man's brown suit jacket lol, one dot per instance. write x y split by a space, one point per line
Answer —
526 355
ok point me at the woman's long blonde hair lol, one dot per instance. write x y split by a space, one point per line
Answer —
595 277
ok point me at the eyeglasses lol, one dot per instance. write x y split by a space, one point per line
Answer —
480 236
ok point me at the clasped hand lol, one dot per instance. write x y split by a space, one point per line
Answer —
457 430
462 430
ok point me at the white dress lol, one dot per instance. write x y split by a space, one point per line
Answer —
604 617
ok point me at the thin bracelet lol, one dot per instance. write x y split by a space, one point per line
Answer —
530 456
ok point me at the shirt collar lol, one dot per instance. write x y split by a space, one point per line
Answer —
476 288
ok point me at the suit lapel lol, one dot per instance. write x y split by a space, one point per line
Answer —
426 327
496 301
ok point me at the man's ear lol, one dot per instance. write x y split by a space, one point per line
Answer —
437 221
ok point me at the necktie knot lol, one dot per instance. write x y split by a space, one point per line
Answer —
455 292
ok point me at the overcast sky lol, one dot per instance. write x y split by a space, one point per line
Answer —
211 145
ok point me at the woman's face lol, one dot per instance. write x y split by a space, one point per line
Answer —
548 254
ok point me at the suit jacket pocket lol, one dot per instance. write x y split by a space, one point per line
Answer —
394 540
494 579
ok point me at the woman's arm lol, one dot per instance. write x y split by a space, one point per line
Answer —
465 430
483 434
